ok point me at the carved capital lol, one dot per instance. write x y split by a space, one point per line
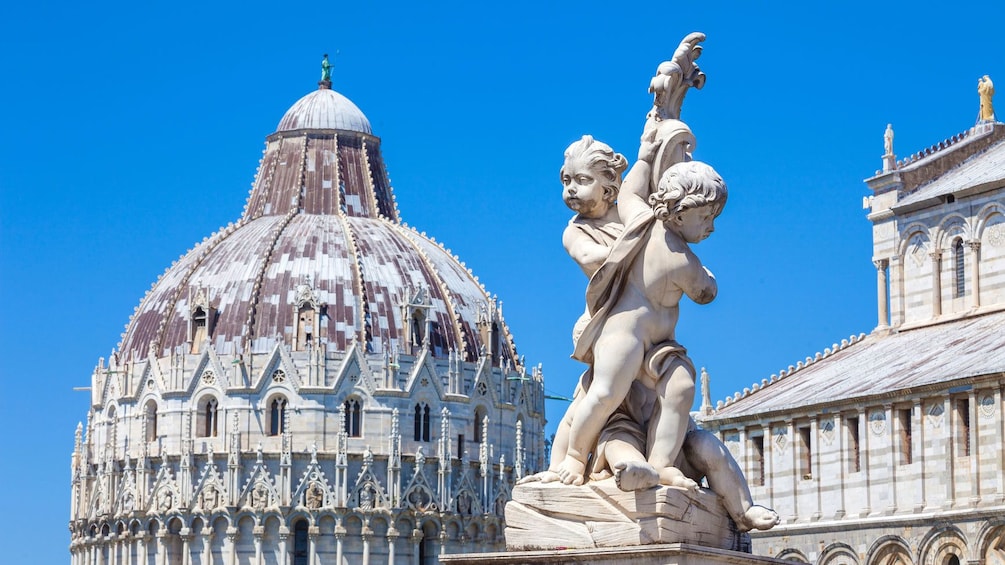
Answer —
881 264
974 245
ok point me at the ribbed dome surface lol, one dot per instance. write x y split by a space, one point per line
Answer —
324 109
320 222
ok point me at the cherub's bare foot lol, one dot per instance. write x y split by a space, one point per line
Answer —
571 471
635 475
543 476
672 476
758 518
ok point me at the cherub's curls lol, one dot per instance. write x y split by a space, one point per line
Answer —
691 184
600 157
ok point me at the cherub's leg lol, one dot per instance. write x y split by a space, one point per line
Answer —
617 359
668 426
709 456
626 460
560 446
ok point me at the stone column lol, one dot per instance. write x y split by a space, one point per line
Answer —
443 541
207 546
366 535
882 293
416 542
162 547
258 532
894 455
863 458
816 452
975 273
232 534
936 283
896 290
790 429
1000 427
313 533
975 448
950 425
769 465
186 546
392 538
113 549
918 449
284 537
339 539
142 553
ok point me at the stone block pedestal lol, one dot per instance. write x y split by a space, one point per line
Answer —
661 554
599 514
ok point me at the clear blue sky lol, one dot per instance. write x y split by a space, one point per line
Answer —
133 130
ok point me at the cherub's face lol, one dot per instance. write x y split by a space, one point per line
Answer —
583 189
695 224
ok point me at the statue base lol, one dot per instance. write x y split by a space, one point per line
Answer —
668 554
554 516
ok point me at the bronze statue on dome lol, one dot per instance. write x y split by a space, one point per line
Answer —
326 73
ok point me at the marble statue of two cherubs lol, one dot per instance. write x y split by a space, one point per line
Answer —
630 415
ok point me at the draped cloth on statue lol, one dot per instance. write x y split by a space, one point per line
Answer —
608 283
630 421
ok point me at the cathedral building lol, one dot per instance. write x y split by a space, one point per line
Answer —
314 383
888 448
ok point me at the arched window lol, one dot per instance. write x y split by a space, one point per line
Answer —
199 328
301 543
306 332
277 416
422 422
479 417
206 420
952 560
150 414
958 263
352 417
418 327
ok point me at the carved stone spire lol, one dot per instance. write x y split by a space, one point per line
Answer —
706 393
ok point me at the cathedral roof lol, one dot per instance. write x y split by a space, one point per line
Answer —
979 172
878 365
320 227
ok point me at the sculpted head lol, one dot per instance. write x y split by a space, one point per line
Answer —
591 176
689 197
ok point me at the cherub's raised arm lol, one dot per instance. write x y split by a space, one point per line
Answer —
633 199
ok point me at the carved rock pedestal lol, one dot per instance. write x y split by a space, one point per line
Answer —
599 514
662 554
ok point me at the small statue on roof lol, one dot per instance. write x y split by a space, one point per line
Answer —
326 69
986 90
326 73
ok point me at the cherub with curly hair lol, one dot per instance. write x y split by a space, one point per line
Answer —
633 302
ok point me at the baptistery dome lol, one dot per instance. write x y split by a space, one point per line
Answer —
315 382
320 223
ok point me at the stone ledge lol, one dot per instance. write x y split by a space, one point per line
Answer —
664 554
